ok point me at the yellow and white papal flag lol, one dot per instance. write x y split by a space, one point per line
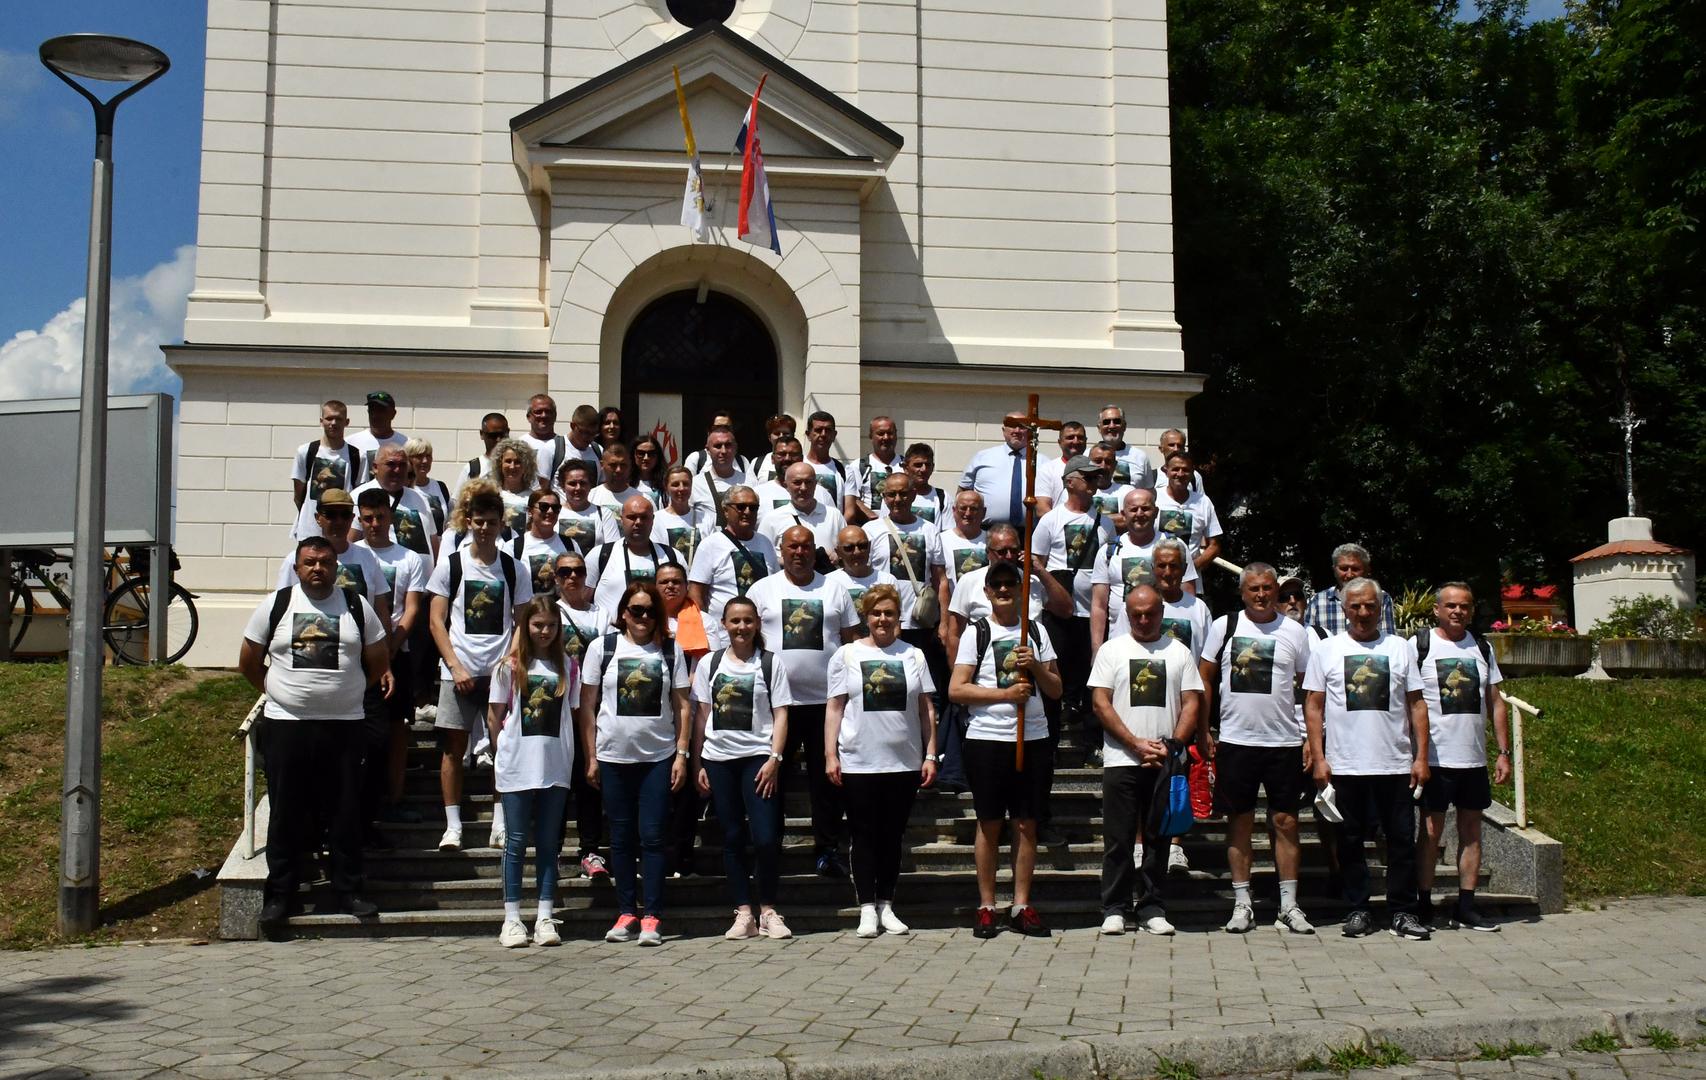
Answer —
693 205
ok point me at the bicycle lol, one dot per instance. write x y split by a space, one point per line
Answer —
124 624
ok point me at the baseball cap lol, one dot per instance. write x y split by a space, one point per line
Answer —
382 397
334 497
1079 464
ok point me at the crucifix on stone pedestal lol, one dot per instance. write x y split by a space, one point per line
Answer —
1628 422
1032 423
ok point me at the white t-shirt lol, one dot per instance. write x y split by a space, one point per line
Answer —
369 444
1367 721
771 495
1049 482
1111 499
330 469
584 530
437 495
449 542
704 483
922 550
482 467
314 657
1131 466
831 479
931 505
610 577
636 719
412 523
1187 619
540 558
582 627
961 556
825 522
613 500
1146 680
1458 685
482 618
358 569
881 730
681 533
721 565
1193 521
545 452
802 625
536 745
857 586
997 722
971 603
743 718
1259 669
865 479
405 572
1068 538
515 509
759 469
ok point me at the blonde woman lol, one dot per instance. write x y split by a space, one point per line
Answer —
515 464
437 495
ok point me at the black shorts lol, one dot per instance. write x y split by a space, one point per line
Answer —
997 789
1466 789
1239 771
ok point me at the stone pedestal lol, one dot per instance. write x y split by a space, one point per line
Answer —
1630 564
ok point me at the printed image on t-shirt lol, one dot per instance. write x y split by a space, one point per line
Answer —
1077 542
1252 669
390 572
351 577
1108 504
826 481
731 702
748 568
928 513
639 686
1006 665
911 550
515 516
879 477
1459 686
1177 524
854 592
574 641
436 504
1368 682
883 685
327 473
1122 471
1148 683
541 565
1177 629
1137 570
410 532
683 540
969 559
313 642
542 709
802 624
578 532
482 608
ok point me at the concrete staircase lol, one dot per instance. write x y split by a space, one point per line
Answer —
421 890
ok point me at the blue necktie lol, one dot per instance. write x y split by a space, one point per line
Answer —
1016 495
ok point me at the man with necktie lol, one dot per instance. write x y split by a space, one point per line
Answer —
998 474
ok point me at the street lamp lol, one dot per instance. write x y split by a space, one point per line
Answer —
117 60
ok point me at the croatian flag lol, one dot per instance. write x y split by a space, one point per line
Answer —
757 216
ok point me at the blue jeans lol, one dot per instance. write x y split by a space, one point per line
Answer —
636 804
742 811
538 811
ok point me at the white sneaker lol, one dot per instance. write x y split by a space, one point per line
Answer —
1176 861
1243 919
452 839
1137 855
1293 919
1154 922
1113 924
426 712
545 933
891 922
483 759
497 838
868 927
513 935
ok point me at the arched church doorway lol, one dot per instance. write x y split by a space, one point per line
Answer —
684 359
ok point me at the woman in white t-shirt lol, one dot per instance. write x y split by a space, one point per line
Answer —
678 522
740 728
531 720
648 458
635 729
437 495
516 467
880 744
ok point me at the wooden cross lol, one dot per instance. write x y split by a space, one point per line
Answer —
1032 423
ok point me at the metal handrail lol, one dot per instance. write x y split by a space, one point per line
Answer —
1518 773
246 732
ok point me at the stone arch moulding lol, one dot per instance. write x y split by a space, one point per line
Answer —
638 26
645 255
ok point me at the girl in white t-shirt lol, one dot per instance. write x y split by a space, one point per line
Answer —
648 458
634 731
880 744
740 729
531 720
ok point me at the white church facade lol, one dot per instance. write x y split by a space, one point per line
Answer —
466 202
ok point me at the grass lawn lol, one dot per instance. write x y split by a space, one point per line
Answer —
1617 771
171 799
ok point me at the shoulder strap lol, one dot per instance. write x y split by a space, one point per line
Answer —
280 604
1320 631
509 572
473 467
981 627
1424 640
604 551
354 460
604 661
455 563
1225 639
313 452
711 672
520 542
1486 648
558 448
353 600
767 664
668 553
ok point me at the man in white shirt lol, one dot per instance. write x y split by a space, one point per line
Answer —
1350 561
1460 680
381 410
1252 662
1072 442
1188 515
722 471
541 434
1368 738
326 462
583 524
313 655
1124 565
998 474
962 544
1173 442
820 451
729 561
804 508
1184 615
1133 464
614 565
700 459
411 515
357 569
1067 540
865 478
928 502
617 487
583 437
388 717
1110 499
970 603
806 617
905 545
785 452
494 429
1145 689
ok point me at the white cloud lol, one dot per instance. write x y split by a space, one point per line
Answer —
147 312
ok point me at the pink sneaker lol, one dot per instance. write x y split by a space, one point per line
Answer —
770 924
626 929
649 931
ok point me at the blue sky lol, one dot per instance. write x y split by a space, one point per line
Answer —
47 134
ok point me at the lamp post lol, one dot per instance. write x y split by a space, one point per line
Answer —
116 60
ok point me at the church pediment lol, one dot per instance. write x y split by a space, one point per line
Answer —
631 109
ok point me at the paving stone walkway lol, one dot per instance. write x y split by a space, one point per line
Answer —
935 1003
1644 1063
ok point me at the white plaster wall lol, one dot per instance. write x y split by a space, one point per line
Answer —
1600 583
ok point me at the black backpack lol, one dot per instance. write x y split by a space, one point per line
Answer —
766 664
983 633
281 604
504 560
610 654
1425 638
350 451
605 549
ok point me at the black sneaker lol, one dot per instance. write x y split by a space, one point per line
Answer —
829 866
1467 918
274 912
986 925
351 904
1406 925
1358 923
1027 922
1049 836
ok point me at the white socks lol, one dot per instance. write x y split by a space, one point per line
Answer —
1288 895
512 911
545 909
453 817
1241 893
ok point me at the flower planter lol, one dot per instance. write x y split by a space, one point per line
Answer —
1652 658
1523 655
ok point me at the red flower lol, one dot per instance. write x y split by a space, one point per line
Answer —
1513 592
1545 592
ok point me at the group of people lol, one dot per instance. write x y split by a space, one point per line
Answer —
634 638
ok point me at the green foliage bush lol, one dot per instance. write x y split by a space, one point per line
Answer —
1648 617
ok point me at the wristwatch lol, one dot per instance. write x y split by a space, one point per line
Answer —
937 758
774 756
679 752
1504 753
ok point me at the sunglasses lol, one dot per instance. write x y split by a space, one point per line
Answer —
1001 587
570 571
338 515
1012 551
742 507
548 508
640 611
866 546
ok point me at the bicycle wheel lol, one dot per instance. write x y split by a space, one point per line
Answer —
126 627
23 610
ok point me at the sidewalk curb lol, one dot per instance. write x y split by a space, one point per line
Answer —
1214 1052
